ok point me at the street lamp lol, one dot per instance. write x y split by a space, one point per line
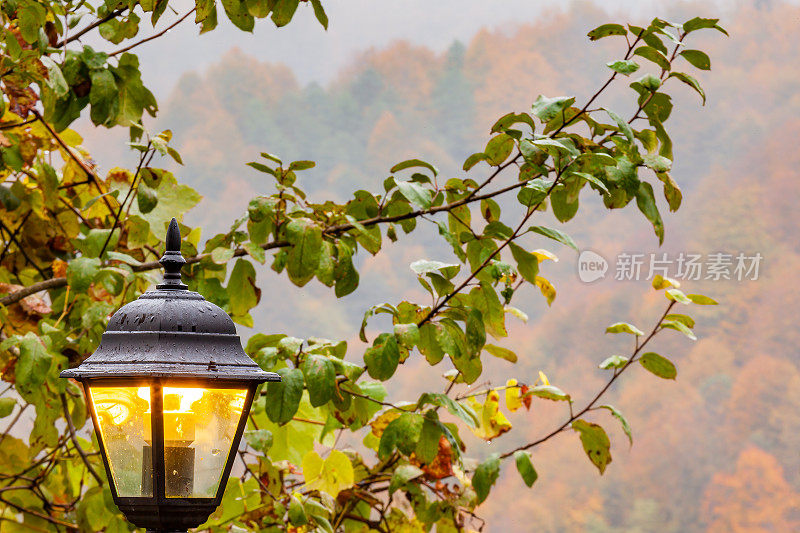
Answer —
169 389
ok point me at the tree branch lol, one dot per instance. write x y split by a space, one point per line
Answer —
74 438
90 27
154 36
600 394
75 157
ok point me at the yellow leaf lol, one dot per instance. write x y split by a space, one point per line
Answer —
513 395
663 282
543 378
548 291
380 423
544 255
331 475
492 422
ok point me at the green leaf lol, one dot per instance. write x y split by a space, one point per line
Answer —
221 256
81 272
679 326
283 397
549 392
626 427
283 11
424 266
502 353
146 199
563 207
297 514
7 406
658 365
683 319
691 82
428 444
498 149
615 361
623 126
402 475
462 411
698 23
305 236
473 160
650 53
475 332
244 295
533 192
591 179
605 30
411 163
485 476
383 357
331 475
55 78
646 202
173 200
509 119
415 193
657 162
428 344
556 235
320 377
486 300
623 66
402 433
677 296
699 299
697 58
319 12
527 263
595 443
301 165
407 334
549 108
624 327
32 367
259 439
556 147
525 467
31 16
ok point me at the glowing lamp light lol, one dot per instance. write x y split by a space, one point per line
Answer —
169 389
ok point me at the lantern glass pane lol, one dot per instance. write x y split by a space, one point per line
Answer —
123 422
199 427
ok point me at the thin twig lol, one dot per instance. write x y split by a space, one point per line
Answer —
90 27
124 201
600 394
154 36
73 436
75 157
13 238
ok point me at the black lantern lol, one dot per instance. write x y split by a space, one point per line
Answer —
169 389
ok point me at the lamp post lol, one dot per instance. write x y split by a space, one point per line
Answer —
169 389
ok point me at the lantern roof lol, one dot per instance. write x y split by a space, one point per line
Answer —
171 332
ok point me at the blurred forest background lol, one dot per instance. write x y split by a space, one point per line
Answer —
718 450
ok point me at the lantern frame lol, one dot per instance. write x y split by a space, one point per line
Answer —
169 337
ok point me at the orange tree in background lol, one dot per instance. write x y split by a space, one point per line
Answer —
78 245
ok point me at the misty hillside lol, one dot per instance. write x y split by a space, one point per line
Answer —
717 447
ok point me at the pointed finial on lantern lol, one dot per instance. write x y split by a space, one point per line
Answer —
172 261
